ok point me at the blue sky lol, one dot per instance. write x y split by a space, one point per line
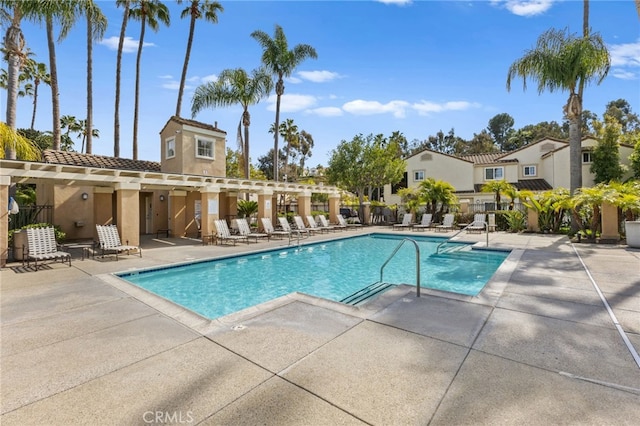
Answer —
411 66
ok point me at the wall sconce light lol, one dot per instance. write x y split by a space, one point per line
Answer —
85 196
162 198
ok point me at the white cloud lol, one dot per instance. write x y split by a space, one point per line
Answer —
171 85
166 77
361 107
130 45
293 80
326 111
624 75
318 76
292 102
209 78
427 107
625 54
398 2
524 7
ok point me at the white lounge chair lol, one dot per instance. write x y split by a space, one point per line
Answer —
447 223
302 228
343 223
41 245
478 224
269 229
284 224
425 222
314 227
244 229
324 224
109 240
406 221
223 234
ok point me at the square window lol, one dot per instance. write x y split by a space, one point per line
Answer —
493 173
171 148
418 175
204 148
529 170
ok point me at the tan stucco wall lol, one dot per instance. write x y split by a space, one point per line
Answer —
185 160
73 214
457 172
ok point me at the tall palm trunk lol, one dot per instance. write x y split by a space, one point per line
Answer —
55 96
246 122
89 120
183 79
116 118
14 43
137 95
36 83
279 92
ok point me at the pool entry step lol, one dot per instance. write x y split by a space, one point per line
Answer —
366 293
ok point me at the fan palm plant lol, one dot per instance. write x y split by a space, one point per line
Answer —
235 86
499 187
281 62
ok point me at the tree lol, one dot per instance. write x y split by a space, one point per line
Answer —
281 62
289 132
304 147
64 13
83 133
501 127
565 62
37 72
21 147
365 162
235 86
606 156
96 26
265 163
635 160
151 13
481 143
437 195
116 115
207 10
620 110
498 187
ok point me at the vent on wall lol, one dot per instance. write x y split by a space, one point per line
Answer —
547 147
426 157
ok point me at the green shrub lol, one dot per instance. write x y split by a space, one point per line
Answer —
60 236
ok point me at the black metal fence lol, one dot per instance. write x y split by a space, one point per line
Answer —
30 214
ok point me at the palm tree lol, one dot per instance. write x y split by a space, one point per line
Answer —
209 10
235 86
96 26
281 62
14 45
116 115
498 187
150 12
38 73
289 132
21 147
83 133
563 61
64 13
437 193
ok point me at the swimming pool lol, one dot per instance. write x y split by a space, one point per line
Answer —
331 270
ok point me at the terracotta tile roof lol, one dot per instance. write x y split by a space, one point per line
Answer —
489 158
521 185
99 161
194 123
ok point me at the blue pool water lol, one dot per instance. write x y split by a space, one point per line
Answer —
331 270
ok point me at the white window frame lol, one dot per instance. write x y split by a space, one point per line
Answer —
170 147
493 173
418 175
529 169
590 154
210 142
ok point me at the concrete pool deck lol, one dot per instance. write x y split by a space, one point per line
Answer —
538 346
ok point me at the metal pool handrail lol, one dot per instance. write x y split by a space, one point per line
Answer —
417 262
485 225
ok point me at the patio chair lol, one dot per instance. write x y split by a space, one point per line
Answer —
223 234
406 222
447 223
284 224
270 230
313 225
342 222
425 222
324 224
302 228
244 229
41 245
109 241
478 223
